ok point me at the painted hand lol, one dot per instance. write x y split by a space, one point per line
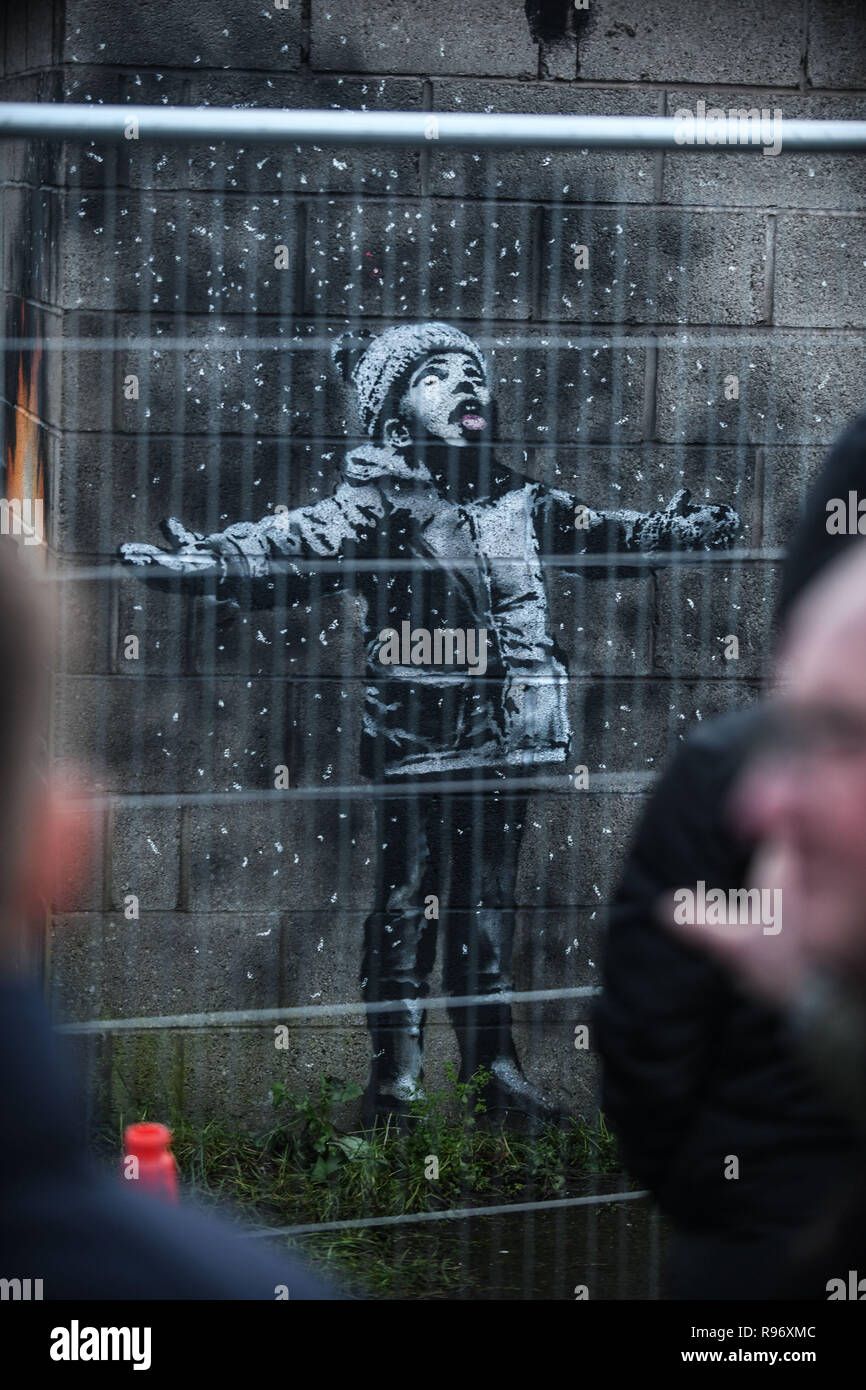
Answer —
709 524
189 552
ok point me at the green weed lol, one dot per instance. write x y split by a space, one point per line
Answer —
303 1168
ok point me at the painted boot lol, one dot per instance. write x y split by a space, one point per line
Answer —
396 1068
508 1092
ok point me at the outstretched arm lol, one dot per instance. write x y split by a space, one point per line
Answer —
251 562
571 527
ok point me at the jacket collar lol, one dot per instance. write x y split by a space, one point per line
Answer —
375 461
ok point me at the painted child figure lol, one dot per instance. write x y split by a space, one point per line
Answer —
455 540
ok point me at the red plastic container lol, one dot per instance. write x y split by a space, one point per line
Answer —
154 1166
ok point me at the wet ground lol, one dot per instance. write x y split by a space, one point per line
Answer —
609 1250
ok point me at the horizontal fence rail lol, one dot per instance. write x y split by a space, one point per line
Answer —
454 1214
238 1017
523 308
473 129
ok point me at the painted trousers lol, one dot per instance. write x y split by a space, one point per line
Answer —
447 866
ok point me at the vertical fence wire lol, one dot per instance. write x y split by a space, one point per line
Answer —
235 375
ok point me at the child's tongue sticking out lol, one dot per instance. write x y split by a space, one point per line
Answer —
471 421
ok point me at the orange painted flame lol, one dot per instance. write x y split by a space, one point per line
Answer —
25 474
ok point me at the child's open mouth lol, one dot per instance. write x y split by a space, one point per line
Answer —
472 421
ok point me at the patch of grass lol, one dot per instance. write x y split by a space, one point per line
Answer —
304 1168
386 1263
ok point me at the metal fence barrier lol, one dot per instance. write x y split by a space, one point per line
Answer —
175 281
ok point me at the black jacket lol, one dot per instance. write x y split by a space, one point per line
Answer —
89 1235
693 1071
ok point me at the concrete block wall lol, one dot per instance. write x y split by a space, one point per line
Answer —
158 262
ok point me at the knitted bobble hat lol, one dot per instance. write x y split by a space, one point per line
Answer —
374 362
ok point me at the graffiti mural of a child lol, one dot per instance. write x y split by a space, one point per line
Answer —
428 490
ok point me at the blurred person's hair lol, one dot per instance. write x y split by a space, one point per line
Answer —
25 690
812 545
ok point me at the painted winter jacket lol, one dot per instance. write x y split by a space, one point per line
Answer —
422 559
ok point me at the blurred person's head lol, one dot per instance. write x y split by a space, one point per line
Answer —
785 801
804 794
40 834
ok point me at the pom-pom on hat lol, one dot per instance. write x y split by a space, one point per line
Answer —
373 362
